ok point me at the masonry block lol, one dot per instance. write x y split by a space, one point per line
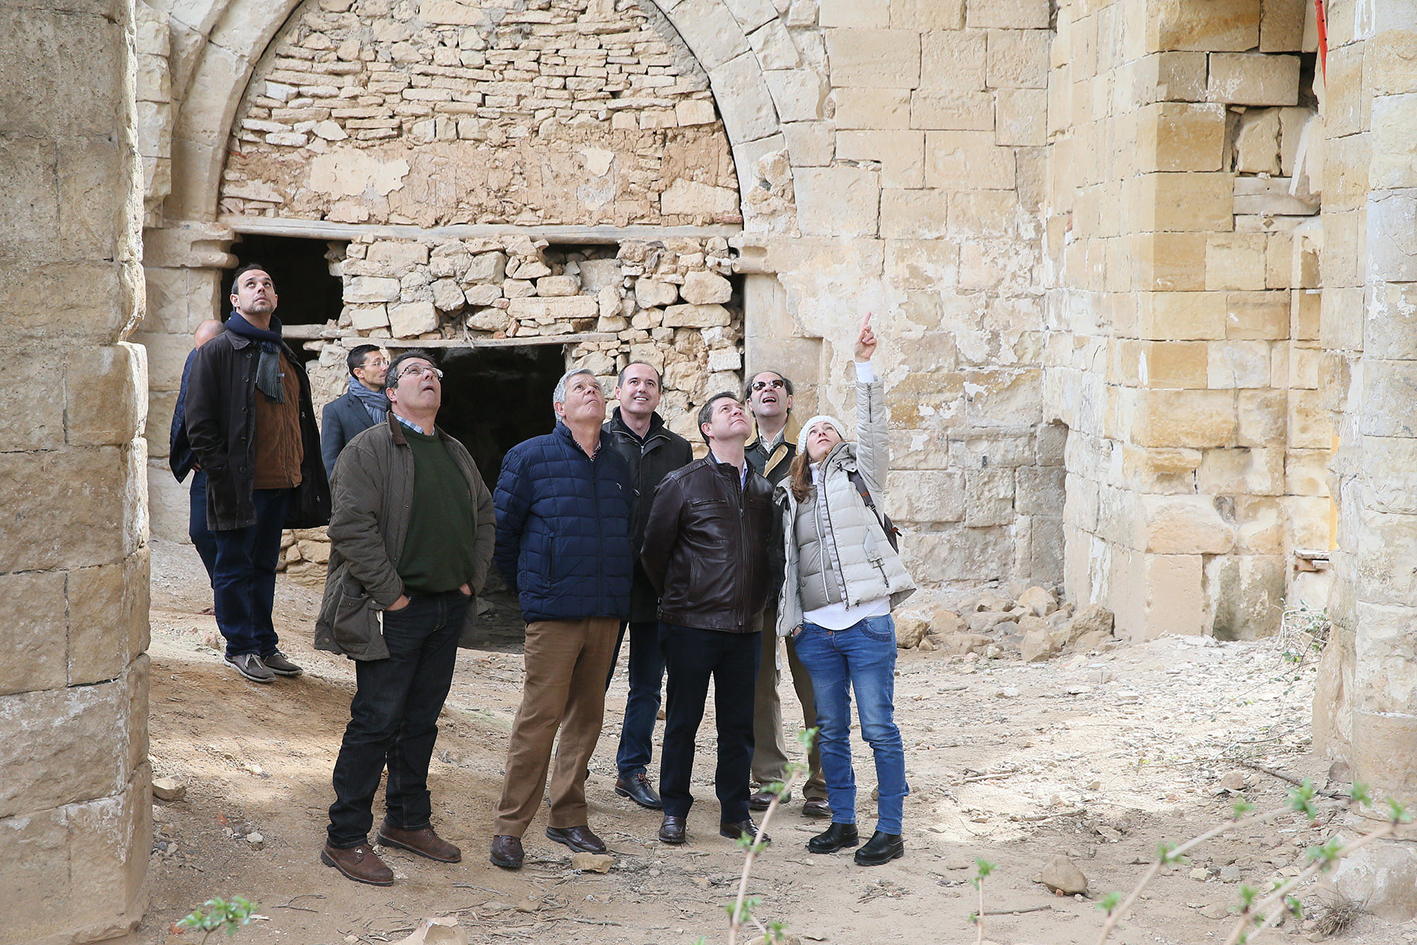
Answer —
874 58
967 160
1194 418
872 108
1253 79
913 214
1169 262
870 14
1175 136
953 61
1007 14
1018 58
1164 471
837 201
901 154
927 14
1182 524
1282 25
1257 315
1183 24
1235 261
1021 117
1246 595
952 111
1261 417
1172 598
1182 316
1169 202
1238 364
1171 77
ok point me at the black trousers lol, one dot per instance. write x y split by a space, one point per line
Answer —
394 719
693 657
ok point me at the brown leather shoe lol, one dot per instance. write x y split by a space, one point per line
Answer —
359 864
507 852
579 839
759 800
423 841
816 807
672 830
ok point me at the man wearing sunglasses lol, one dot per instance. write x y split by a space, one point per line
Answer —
769 398
411 539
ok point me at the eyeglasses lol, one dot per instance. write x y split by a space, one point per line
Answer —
417 371
764 385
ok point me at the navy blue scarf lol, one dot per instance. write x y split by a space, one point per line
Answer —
268 375
374 401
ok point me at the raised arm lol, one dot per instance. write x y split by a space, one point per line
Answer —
872 437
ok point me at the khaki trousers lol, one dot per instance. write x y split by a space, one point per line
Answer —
770 752
566 662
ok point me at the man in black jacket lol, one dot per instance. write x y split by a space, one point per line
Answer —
638 433
706 552
358 408
252 427
181 460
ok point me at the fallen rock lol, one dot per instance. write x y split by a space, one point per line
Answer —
592 862
169 789
985 620
1063 877
910 628
1029 623
927 645
441 931
945 622
991 601
1038 646
958 644
1039 600
1233 780
1093 618
1093 640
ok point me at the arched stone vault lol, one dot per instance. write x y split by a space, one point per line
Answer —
732 43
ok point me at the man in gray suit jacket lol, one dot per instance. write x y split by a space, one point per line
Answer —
360 407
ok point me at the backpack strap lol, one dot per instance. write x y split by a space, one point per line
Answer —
892 533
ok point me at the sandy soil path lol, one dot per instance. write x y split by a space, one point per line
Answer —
1097 757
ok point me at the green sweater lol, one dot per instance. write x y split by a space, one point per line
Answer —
437 552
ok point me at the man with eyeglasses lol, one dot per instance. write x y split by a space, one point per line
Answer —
359 407
563 546
769 397
411 539
252 427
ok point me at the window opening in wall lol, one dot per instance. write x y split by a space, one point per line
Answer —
494 398
309 295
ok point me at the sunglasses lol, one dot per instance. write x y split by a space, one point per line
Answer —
776 382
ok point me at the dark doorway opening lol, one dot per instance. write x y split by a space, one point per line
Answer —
300 268
494 398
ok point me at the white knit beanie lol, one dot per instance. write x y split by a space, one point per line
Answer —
819 418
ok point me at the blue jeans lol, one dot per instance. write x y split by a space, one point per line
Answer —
203 538
642 704
393 719
244 580
861 657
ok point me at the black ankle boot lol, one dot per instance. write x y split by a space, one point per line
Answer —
836 837
881 848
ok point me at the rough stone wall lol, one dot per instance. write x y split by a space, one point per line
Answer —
442 112
1366 708
1184 351
74 797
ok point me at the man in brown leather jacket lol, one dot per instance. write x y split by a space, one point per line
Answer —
706 553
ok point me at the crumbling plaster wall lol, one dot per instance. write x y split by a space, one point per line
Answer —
888 157
75 807
1183 346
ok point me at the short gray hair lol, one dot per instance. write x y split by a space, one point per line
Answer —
559 395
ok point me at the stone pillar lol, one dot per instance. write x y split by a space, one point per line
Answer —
1171 310
183 266
75 808
1366 708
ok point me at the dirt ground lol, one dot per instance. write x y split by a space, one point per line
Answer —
1097 757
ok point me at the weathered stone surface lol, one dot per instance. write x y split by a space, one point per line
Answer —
910 629
696 316
651 293
72 746
1094 618
1062 876
705 288
1038 600
410 319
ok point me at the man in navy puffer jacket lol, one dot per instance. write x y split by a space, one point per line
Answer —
563 545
